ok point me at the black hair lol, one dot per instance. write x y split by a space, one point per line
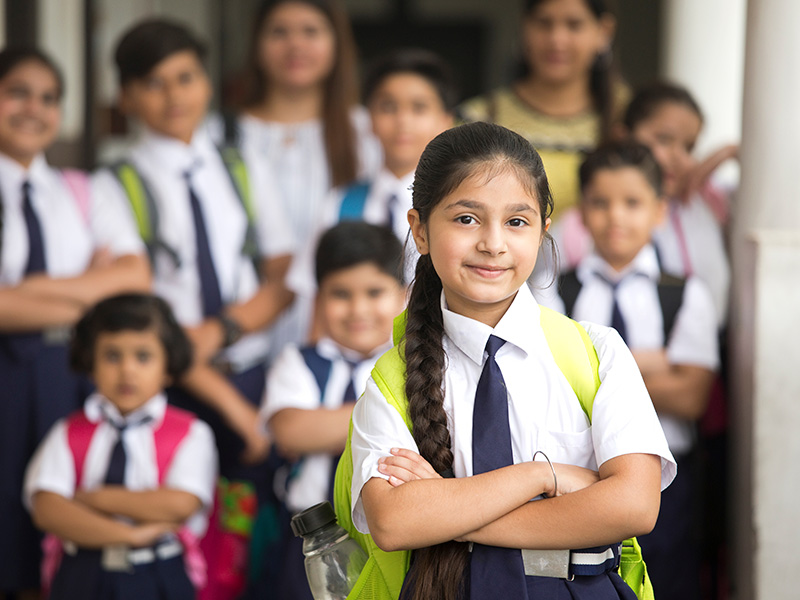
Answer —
425 64
651 97
450 158
603 73
11 58
617 155
149 42
137 312
352 243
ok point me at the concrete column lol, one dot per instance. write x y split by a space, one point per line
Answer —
765 244
703 50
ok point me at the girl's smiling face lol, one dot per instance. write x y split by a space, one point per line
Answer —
30 110
483 239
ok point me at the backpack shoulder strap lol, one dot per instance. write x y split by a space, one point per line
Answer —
144 208
574 354
354 201
670 297
173 429
237 171
569 286
80 431
78 183
319 366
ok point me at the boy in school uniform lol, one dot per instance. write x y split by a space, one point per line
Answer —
311 390
668 323
223 293
410 95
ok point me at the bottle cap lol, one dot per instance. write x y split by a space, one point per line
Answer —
311 519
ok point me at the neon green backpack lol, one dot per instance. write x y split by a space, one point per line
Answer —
383 575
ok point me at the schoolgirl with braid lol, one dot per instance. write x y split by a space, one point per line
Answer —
495 467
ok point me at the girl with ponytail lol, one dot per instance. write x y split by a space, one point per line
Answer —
485 397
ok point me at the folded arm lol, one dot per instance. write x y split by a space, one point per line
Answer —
678 390
148 506
299 431
75 522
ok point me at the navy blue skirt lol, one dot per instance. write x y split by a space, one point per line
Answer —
36 389
81 576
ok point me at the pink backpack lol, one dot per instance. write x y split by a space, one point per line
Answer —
78 183
169 435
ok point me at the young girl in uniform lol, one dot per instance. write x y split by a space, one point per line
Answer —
481 206
62 248
124 500
302 116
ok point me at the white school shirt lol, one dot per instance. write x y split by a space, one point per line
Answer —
193 468
162 163
291 384
296 153
70 236
705 243
694 335
301 278
543 411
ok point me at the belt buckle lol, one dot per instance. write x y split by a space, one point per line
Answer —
546 563
115 559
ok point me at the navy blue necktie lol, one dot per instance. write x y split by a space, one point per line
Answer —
494 572
350 392
391 204
36 257
115 475
209 283
617 322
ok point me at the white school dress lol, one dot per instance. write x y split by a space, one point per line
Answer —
296 153
291 384
543 411
162 163
386 193
693 340
193 468
691 242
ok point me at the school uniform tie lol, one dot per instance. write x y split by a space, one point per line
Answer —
494 572
115 475
617 322
349 397
391 206
209 282
36 257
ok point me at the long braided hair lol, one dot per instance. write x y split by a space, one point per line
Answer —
453 156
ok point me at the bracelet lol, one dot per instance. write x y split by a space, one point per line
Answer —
555 481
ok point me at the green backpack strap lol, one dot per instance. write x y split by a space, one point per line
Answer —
237 171
144 209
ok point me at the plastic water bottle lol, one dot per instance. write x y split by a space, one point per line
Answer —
334 560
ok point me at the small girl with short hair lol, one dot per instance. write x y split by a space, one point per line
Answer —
124 485
452 475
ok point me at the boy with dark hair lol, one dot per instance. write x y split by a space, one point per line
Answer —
311 390
217 237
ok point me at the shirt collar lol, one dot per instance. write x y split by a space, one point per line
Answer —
333 351
516 327
386 183
173 154
13 174
99 408
644 263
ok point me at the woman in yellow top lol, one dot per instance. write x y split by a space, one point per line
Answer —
568 95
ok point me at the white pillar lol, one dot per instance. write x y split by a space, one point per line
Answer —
766 311
703 50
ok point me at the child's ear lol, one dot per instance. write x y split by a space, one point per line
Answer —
418 230
662 210
547 222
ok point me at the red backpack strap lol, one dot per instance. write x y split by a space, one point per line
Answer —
78 183
79 435
173 429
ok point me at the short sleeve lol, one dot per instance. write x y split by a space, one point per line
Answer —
111 219
290 384
274 233
694 338
52 468
194 466
624 420
377 428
